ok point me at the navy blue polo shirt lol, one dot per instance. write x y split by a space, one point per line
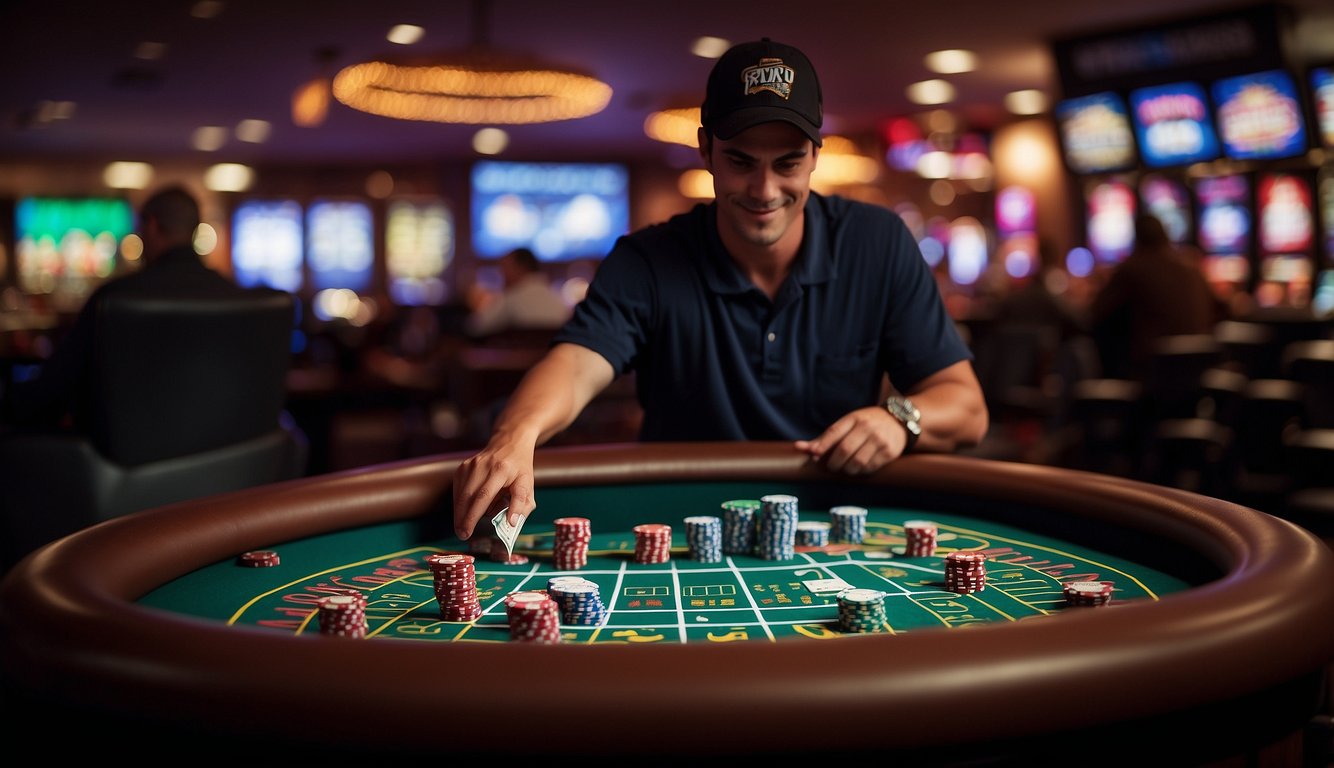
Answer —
716 359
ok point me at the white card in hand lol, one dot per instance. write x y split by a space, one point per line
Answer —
506 532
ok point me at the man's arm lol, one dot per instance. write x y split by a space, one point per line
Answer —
550 397
954 415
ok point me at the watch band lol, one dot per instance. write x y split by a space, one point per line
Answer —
901 408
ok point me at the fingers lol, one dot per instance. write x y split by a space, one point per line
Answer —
480 481
863 446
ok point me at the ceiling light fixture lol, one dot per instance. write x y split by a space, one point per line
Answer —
951 62
679 125
478 85
930 92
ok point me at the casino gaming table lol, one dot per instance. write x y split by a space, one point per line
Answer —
1215 642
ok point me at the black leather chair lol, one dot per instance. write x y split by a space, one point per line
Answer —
187 402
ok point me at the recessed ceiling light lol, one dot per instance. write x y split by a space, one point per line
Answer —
930 92
405 34
253 131
209 138
490 141
709 47
951 62
127 175
229 177
1027 102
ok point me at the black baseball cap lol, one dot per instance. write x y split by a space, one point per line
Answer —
762 82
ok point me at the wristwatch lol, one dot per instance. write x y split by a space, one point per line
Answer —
902 409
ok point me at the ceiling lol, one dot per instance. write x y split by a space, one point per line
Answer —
247 61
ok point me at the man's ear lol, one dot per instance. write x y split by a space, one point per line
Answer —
705 148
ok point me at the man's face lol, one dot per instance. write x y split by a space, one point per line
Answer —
761 179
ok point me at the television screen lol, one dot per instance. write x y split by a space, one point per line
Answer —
1111 220
1168 200
340 245
1322 95
1172 125
1095 133
67 246
1260 116
419 246
561 211
267 243
1286 222
1224 204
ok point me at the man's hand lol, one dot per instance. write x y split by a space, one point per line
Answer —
502 473
954 415
859 443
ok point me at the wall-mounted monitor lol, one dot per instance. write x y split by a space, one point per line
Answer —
419 246
267 237
1111 220
1095 133
340 245
561 211
1173 124
1223 206
1259 116
66 246
1322 97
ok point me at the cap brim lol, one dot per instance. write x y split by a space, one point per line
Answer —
732 125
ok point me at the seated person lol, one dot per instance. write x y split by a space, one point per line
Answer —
528 301
58 394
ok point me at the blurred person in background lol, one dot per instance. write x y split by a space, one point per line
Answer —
1157 291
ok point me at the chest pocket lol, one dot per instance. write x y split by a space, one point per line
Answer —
843 383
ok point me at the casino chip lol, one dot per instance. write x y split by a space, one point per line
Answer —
1087 593
921 537
260 558
455 579
342 616
965 572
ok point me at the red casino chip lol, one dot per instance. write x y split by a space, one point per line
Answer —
260 558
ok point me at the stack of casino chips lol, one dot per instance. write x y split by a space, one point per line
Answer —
653 543
260 558
861 610
342 616
571 546
777 535
813 533
704 536
533 617
500 555
849 524
455 586
921 538
578 600
739 526
965 572
1087 593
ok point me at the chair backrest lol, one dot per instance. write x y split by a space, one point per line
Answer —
190 373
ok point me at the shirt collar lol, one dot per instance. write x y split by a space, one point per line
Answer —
814 264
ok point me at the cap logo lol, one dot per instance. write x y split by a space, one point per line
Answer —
769 75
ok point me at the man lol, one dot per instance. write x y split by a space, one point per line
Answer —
528 301
167 223
1156 292
770 314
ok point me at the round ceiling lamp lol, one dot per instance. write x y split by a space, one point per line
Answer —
478 86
